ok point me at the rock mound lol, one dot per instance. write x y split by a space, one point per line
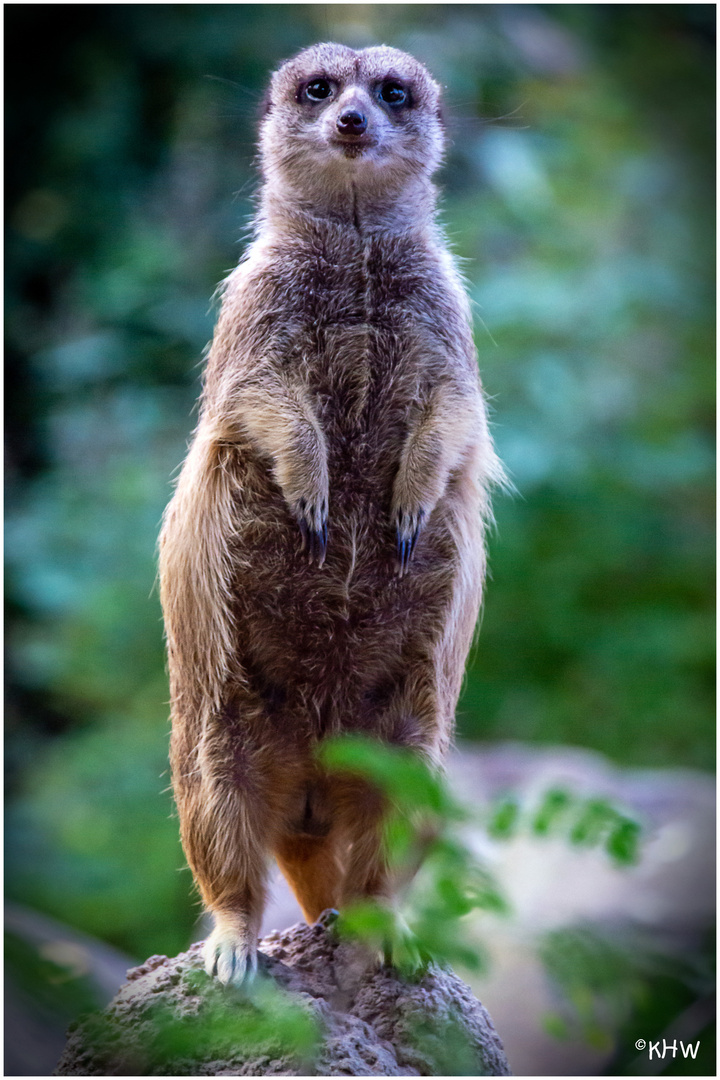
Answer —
318 1010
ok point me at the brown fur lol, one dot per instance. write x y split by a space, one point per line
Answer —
342 381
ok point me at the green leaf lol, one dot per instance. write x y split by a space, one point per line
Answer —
552 810
623 843
504 819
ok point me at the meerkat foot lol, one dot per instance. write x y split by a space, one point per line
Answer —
313 522
231 957
408 526
401 950
328 917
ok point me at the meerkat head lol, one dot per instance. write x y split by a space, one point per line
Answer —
335 115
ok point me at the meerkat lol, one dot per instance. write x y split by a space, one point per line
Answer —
322 559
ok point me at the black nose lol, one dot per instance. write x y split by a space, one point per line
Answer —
351 122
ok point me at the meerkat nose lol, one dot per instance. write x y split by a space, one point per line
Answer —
351 122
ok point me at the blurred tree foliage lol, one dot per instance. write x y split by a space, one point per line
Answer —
579 190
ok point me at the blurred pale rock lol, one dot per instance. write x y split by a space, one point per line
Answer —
666 902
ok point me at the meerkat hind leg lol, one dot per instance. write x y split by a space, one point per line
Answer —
230 951
229 810
370 876
234 893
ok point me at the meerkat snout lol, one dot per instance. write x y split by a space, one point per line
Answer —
351 122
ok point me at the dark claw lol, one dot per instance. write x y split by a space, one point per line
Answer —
314 541
329 917
303 533
402 548
318 545
406 544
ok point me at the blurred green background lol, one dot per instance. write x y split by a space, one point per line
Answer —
579 192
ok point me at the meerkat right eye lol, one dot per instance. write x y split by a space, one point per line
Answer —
317 90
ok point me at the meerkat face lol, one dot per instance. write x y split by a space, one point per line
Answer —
334 113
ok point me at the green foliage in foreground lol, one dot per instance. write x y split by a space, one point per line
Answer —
425 824
611 989
584 822
422 824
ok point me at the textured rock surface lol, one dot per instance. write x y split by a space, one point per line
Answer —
372 1023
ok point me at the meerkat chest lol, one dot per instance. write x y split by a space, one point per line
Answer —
346 279
357 305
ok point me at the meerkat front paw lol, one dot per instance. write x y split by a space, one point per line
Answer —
231 956
408 526
312 517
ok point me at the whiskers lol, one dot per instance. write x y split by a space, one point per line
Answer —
458 119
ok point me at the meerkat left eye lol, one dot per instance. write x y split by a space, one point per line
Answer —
392 93
318 90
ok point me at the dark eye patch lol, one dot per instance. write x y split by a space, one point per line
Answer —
317 90
393 93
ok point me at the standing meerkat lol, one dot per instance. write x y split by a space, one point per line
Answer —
322 559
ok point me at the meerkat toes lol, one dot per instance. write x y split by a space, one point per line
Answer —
408 526
313 522
231 956
402 951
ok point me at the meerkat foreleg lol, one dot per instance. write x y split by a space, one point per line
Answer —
439 435
279 421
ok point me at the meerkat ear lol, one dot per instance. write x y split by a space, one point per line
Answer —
441 113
